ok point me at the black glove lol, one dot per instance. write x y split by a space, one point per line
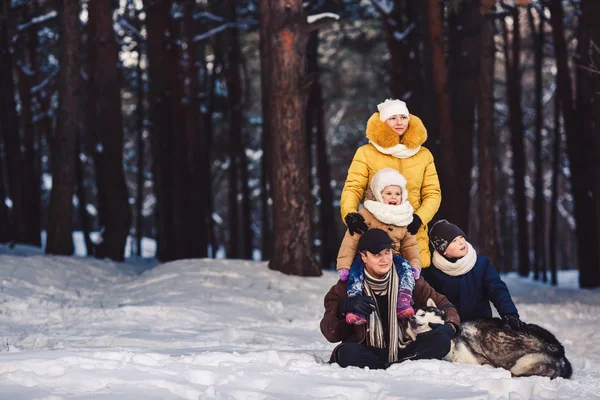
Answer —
363 305
514 321
356 223
414 226
446 328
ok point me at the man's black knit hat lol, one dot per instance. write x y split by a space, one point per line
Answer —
442 233
374 240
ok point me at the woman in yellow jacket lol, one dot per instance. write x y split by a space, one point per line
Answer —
395 141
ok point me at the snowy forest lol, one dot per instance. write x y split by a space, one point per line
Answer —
224 129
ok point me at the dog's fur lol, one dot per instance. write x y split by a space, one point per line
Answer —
531 350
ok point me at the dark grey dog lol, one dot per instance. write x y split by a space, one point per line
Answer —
524 352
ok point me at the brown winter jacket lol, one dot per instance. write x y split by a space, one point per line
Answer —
403 243
337 330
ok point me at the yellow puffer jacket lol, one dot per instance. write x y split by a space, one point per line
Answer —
423 185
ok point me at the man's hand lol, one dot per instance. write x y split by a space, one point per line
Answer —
514 321
448 329
414 226
363 305
356 223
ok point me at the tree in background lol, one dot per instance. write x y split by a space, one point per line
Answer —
106 133
577 110
464 37
9 127
63 143
284 32
28 71
486 132
160 57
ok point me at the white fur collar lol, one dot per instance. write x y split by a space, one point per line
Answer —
460 267
398 151
400 215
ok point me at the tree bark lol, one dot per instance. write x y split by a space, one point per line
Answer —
292 205
579 143
160 95
513 81
113 198
63 144
465 38
448 169
539 220
556 167
9 126
8 116
583 144
485 114
265 81
84 216
31 202
198 154
239 220
315 120
140 153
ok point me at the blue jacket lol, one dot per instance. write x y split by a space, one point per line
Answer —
472 292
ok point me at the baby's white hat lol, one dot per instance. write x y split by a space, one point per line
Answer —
386 177
392 107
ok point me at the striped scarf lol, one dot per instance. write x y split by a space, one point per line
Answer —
380 287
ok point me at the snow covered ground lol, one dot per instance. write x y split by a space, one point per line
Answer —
78 328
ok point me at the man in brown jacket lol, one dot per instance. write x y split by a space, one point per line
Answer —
369 345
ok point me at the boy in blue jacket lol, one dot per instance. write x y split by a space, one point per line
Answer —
468 280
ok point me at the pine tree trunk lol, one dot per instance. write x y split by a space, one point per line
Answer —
448 168
206 140
539 220
487 214
579 143
465 47
238 129
177 151
236 145
315 120
265 81
292 207
113 197
583 144
160 95
398 51
198 213
513 79
31 218
9 125
7 116
63 144
556 167
84 216
140 154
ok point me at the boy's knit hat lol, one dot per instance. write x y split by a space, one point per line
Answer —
374 240
392 107
442 233
386 177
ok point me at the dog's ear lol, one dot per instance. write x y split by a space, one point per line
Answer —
431 303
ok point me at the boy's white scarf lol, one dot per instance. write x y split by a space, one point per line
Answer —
398 151
460 267
400 215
